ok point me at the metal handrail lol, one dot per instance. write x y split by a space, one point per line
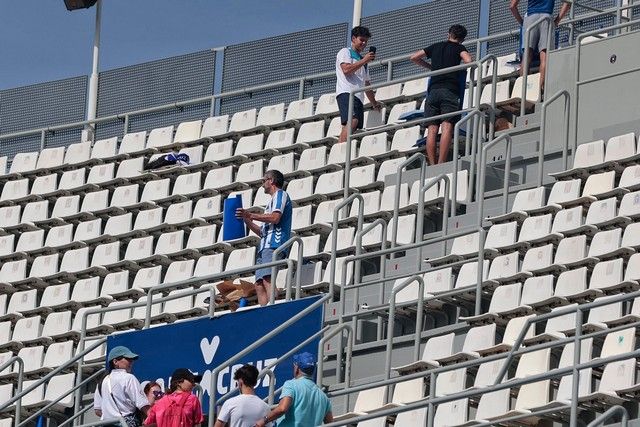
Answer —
383 245
274 270
268 368
125 117
391 323
475 65
347 368
608 414
20 362
119 420
60 397
445 209
75 416
396 203
432 400
543 131
214 374
19 395
475 114
578 83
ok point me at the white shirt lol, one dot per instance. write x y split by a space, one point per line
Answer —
356 80
243 411
126 391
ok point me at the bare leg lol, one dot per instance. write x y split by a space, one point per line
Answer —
263 290
431 143
343 132
543 67
530 59
445 141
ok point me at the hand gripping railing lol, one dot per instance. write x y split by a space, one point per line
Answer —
216 372
543 131
8 363
274 270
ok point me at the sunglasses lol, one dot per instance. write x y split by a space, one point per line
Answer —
158 394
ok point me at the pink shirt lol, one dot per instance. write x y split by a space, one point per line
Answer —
192 411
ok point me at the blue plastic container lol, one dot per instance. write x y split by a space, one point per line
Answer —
233 228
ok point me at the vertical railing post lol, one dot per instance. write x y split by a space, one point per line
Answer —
575 386
43 140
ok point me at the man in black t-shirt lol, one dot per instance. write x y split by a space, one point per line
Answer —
445 90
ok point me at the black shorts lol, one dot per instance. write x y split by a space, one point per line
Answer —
343 106
441 101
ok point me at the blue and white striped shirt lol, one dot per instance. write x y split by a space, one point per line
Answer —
274 235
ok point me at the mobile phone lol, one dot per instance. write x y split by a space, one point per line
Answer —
372 49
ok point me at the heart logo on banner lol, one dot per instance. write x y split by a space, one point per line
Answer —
206 381
209 349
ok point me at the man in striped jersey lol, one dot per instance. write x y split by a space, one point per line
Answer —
274 231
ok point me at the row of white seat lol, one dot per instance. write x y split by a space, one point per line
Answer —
596 155
617 385
195 179
193 134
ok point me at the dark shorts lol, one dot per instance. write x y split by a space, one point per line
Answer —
343 106
266 256
441 101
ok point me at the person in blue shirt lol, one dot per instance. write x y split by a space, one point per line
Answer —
302 402
274 231
538 36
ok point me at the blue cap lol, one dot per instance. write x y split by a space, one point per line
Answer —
121 351
306 362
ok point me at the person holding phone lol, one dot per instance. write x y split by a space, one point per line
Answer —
352 73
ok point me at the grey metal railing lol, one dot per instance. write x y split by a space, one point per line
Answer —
8 363
17 397
281 328
579 83
543 131
608 414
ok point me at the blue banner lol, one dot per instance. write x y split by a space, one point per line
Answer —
201 345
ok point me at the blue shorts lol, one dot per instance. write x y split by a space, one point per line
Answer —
358 109
266 256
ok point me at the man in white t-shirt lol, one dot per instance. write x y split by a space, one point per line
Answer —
247 408
352 73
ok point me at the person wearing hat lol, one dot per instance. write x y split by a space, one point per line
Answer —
120 394
302 402
179 404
